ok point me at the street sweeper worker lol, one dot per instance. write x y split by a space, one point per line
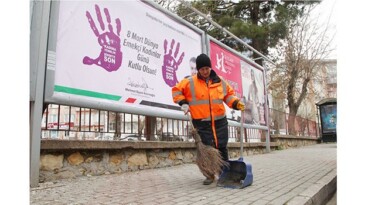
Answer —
203 95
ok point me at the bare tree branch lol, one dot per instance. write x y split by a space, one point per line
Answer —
306 45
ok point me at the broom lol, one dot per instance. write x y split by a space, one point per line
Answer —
208 158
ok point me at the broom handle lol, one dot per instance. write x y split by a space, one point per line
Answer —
241 138
198 139
191 121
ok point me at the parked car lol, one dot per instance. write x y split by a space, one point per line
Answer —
169 136
104 136
132 137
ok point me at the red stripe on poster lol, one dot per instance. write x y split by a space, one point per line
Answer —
131 100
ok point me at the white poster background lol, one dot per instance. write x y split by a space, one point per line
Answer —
139 21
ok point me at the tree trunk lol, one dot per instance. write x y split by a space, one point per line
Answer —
294 105
255 10
293 109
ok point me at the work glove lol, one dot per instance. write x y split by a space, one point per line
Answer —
185 108
241 106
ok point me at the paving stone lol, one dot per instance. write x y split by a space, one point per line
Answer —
293 176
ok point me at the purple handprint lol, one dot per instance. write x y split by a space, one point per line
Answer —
110 57
170 65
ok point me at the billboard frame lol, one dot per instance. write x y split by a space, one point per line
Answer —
83 101
254 64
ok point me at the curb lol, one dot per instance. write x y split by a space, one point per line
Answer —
318 193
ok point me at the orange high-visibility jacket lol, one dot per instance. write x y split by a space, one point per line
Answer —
205 99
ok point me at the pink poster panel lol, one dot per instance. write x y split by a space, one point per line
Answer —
227 65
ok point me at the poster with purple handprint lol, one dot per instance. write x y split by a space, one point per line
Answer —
122 52
171 63
110 57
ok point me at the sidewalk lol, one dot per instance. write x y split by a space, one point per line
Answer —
306 175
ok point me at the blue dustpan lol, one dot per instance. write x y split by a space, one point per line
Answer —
237 176
239 173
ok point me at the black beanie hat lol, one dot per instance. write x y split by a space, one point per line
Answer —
202 60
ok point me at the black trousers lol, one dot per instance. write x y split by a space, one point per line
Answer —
205 131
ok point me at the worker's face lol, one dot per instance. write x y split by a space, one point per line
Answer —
204 72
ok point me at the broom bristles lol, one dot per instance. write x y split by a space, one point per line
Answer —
208 158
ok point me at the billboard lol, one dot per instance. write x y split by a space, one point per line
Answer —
253 93
245 77
120 53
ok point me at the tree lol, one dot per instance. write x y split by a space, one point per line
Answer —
304 48
261 24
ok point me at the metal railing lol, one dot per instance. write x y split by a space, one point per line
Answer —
77 123
285 124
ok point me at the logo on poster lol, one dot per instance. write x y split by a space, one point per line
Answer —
220 63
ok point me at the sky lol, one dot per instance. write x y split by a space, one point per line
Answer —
328 10
323 14
327 13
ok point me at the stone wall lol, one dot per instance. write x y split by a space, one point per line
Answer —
76 163
61 159
288 141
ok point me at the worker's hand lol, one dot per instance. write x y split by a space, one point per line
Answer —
241 106
185 108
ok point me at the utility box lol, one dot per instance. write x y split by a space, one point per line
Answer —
327 109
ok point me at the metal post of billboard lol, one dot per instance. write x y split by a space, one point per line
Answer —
267 116
267 112
38 59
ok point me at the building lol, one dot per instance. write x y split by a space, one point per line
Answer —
324 85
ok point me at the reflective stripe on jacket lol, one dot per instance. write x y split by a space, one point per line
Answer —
205 100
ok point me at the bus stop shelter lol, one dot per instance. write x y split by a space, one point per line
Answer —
327 109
